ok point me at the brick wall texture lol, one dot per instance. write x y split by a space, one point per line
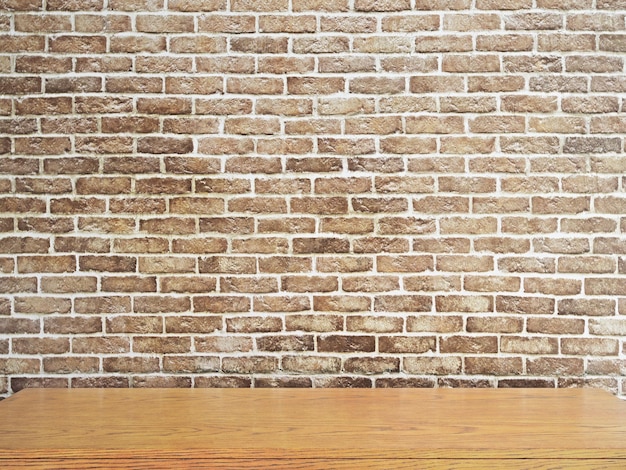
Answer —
312 193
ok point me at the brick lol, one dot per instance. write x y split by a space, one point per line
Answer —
12 285
103 64
164 24
161 382
382 165
161 345
197 44
42 145
253 324
402 104
382 44
372 365
529 345
373 125
21 5
436 84
257 285
592 145
352 24
590 346
592 64
372 324
350 225
612 42
589 225
137 206
488 324
434 324
26 85
524 305
281 304
555 325
603 286
375 205
370 284
287 24
417 263
261 245
221 304
402 303
381 245
42 305
532 64
432 283
484 83
314 127
444 365
493 366
69 284
50 264
346 343
317 322
93 23
469 345
344 264
194 364
164 105
311 364
18 44
68 365
226 23
346 146
223 65
320 45
10 245
194 85
314 85
552 286
341 303
78 44
470 22
288 225
222 381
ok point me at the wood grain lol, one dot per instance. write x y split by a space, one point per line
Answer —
294 428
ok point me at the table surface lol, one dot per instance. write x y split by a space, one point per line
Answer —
299 423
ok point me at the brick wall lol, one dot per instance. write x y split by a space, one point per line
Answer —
316 193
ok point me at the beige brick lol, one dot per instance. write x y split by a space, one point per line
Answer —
352 225
593 307
403 303
281 304
489 324
504 43
590 346
221 304
383 44
552 286
524 305
445 365
348 24
493 366
434 324
432 283
470 22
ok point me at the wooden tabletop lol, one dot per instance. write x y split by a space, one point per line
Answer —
307 423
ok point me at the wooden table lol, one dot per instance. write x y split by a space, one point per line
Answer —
312 428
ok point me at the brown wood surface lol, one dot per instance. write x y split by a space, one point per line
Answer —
296 428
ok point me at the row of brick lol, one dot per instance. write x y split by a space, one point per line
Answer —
355 22
306 5
543 303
